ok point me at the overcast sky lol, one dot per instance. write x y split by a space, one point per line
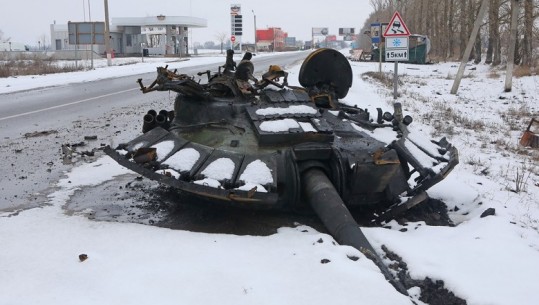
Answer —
28 21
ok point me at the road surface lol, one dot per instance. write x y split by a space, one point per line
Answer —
35 124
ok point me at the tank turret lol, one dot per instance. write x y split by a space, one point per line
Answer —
260 144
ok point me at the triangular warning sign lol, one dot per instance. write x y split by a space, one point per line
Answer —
396 27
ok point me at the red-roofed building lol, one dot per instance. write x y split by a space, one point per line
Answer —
268 38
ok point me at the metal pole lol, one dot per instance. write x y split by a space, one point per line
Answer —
380 50
92 37
312 39
395 80
379 59
256 38
512 43
273 40
468 49
107 34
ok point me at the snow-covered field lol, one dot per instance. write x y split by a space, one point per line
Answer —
490 260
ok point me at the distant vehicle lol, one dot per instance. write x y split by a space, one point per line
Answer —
13 46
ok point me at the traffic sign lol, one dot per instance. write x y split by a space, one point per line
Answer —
396 27
397 54
232 38
397 43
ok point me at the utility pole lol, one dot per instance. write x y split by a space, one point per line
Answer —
107 34
254 16
273 50
312 38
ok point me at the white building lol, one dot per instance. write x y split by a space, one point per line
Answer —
159 35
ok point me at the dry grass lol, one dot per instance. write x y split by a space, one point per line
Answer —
33 65
445 119
493 74
521 71
516 118
520 181
385 79
418 81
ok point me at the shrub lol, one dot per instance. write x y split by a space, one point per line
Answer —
32 65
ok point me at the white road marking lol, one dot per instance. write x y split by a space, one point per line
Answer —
65 105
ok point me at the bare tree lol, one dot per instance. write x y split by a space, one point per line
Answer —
209 45
221 37
449 28
379 5
44 40
474 9
512 45
527 46
449 23
2 37
463 27
492 56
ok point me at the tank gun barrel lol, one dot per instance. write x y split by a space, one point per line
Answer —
328 205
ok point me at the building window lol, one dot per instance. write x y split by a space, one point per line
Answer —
129 40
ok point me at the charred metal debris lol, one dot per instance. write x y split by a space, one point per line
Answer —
236 140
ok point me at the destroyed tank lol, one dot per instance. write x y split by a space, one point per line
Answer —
262 144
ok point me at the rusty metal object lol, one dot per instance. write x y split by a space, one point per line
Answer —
529 138
163 76
378 158
273 77
145 155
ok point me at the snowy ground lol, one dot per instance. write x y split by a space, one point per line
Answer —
491 260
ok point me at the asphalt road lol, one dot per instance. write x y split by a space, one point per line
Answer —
35 124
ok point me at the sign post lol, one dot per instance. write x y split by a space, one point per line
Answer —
396 47
236 22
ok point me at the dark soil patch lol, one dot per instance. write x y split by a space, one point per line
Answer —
433 292
204 216
182 213
433 212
